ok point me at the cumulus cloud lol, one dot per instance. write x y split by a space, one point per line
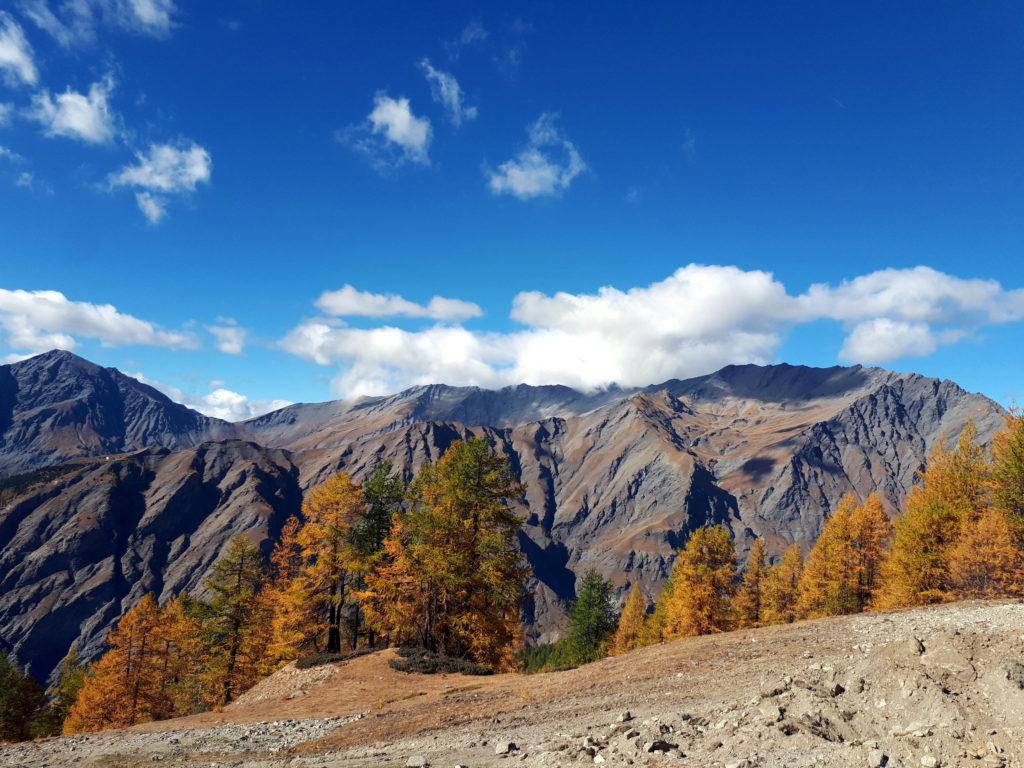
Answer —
546 166
697 320
6 110
220 403
162 170
38 321
230 337
350 302
17 64
75 22
391 135
83 116
445 90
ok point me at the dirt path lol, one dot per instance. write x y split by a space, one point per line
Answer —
928 687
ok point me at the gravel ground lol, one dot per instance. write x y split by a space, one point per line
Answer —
940 686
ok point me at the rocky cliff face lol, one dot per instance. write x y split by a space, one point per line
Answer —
615 480
79 549
57 406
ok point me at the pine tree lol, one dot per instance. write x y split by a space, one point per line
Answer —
124 687
1007 475
383 493
949 498
229 620
829 584
62 696
704 585
781 588
22 703
985 562
591 622
748 603
628 634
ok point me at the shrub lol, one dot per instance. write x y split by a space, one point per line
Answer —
426 662
319 659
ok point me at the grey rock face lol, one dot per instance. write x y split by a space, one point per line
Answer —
615 480
78 550
57 406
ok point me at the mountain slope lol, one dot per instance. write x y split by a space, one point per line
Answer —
58 406
79 549
615 480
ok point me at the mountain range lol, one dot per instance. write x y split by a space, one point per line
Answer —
110 490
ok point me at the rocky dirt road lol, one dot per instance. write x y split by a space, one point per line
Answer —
941 686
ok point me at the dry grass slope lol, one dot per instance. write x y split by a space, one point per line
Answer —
925 687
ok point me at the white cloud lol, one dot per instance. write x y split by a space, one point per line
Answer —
695 321
37 321
220 403
536 171
164 169
350 302
875 341
73 115
445 90
152 207
230 337
10 155
16 62
75 22
473 33
391 134
6 110
233 406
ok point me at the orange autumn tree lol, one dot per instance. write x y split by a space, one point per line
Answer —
870 529
781 588
281 602
127 685
828 586
1006 479
842 570
452 577
631 623
332 511
703 585
985 562
950 497
748 605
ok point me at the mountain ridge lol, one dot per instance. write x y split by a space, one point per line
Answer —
615 480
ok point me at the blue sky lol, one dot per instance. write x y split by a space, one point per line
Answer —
248 202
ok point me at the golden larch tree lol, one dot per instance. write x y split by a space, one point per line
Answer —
125 686
829 586
631 623
704 585
1007 474
870 530
781 588
985 562
452 574
748 603
950 497
332 510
